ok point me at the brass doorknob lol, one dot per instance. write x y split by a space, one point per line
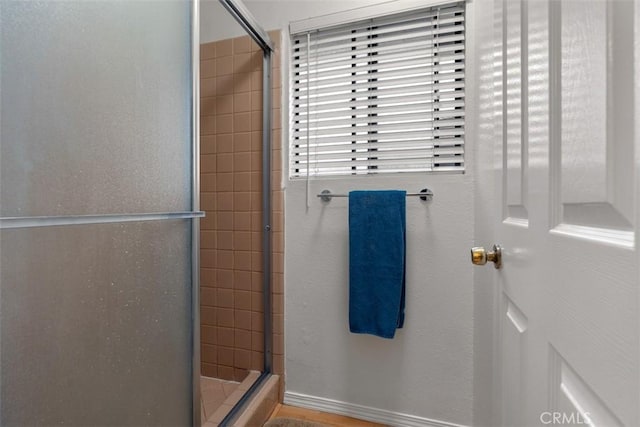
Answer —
480 256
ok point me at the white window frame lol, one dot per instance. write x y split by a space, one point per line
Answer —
360 14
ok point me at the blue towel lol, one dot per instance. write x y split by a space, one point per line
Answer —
377 224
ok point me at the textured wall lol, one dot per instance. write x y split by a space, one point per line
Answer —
426 370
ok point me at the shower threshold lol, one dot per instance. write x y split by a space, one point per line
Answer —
218 397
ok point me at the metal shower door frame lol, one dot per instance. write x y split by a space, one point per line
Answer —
242 15
195 205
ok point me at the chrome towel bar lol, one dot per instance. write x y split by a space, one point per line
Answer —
425 194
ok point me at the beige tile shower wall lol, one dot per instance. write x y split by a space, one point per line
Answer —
231 288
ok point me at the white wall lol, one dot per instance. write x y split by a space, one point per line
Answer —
427 370
216 23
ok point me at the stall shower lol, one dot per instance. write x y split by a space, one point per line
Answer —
236 237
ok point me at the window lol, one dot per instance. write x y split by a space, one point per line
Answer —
382 95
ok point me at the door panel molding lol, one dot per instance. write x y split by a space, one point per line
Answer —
591 160
513 339
515 112
571 395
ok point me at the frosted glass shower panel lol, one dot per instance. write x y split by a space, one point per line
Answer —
95 106
95 325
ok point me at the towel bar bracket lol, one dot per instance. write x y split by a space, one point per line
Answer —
425 195
325 196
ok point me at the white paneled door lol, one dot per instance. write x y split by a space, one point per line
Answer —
567 330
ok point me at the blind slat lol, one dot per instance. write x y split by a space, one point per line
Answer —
437 118
407 153
440 119
364 136
344 145
380 163
425 47
433 167
389 100
377 70
447 92
383 95
430 27
434 38
393 81
425 54
372 130
389 105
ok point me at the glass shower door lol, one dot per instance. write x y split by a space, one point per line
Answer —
96 213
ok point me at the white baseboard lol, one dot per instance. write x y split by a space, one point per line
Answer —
362 412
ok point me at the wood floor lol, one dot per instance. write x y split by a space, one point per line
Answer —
283 411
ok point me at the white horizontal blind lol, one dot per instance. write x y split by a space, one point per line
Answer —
381 95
